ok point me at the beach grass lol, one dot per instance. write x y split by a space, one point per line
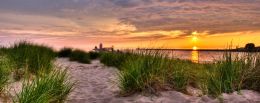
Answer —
114 59
65 52
234 73
5 71
153 71
143 73
31 57
51 88
34 64
80 56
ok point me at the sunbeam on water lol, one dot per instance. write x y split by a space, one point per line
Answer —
195 56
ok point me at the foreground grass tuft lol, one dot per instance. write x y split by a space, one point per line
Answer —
234 73
5 71
52 88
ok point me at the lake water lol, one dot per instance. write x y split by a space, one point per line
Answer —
197 56
201 56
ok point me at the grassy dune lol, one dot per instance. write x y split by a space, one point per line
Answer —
34 64
141 71
30 57
78 55
151 71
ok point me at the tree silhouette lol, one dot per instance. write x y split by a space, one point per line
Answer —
250 47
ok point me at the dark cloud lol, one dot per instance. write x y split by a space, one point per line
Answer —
215 16
150 37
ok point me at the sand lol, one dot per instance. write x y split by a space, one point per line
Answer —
97 83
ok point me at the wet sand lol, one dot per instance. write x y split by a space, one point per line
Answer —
96 83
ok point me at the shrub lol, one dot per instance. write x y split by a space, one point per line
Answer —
80 56
114 59
94 55
51 88
65 52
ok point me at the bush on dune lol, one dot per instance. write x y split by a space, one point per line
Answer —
94 55
80 56
65 52
114 59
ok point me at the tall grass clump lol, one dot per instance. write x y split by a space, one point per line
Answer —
144 72
80 56
251 75
51 88
65 52
181 74
34 58
153 71
114 59
233 74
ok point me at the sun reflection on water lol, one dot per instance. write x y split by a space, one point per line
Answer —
195 56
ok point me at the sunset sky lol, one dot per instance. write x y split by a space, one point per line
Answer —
131 23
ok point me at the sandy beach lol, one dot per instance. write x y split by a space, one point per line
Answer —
97 83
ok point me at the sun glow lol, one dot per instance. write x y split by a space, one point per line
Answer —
194 48
194 39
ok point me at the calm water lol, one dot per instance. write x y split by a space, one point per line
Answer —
201 56
197 56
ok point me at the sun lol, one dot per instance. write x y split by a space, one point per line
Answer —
195 48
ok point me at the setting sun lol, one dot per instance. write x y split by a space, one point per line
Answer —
194 48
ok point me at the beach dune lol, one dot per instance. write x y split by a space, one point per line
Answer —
97 83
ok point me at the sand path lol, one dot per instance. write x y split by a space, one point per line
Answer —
97 83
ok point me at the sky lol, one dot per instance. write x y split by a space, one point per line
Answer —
131 23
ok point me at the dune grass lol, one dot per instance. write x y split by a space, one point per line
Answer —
5 71
80 56
35 58
114 59
51 88
65 52
153 71
33 63
234 73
